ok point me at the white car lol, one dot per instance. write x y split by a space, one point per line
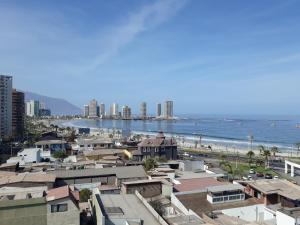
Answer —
275 177
252 171
249 177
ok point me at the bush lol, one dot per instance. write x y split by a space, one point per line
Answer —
85 195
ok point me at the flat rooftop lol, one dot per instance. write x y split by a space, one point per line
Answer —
195 174
125 207
199 204
196 184
281 187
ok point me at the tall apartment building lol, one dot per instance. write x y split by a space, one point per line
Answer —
102 110
86 110
168 109
143 110
5 106
42 105
114 109
32 108
158 110
93 109
18 113
126 112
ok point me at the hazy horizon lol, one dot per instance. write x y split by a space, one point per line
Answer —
209 57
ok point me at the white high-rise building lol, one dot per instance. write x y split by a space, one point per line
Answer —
5 106
143 110
32 108
93 109
114 110
102 110
168 110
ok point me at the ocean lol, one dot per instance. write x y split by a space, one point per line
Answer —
231 131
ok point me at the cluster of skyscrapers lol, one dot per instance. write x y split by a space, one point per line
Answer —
37 109
95 110
12 109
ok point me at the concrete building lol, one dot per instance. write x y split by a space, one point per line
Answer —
168 110
18 114
42 105
288 216
33 108
26 206
5 106
86 110
102 110
157 147
93 109
115 209
143 110
114 109
30 155
62 206
126 112
44 112
158 110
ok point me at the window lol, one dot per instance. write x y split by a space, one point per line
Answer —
59 208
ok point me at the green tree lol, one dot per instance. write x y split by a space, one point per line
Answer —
85 195
59 155
250 154
274 150
261 149
266 154
150 164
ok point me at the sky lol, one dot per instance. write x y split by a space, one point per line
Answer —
208 56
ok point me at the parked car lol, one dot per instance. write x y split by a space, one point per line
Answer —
259 174
252 171
268 176
249 177
244 178
275 177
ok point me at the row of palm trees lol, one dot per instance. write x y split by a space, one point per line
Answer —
264 152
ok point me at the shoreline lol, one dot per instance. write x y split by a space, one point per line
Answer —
220 144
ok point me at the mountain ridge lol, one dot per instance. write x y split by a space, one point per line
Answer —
58 106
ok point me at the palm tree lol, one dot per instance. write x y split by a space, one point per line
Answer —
251 138
266 154
274 150
250 155
298 147
261 149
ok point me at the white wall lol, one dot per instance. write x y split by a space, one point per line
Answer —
283 219
248 213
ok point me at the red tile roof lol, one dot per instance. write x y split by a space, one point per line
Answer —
196 184
58 193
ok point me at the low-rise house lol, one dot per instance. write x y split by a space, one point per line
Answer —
30 155
122 209
105 176
26 206
88 144
52 146
189 165
62 207
28 180
147 188
158 147
288 216
102 153
270 192
225 193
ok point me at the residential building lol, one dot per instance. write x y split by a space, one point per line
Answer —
158 110
157 147
30 155
18 114
105 176
114 109
86 110
102 110
126 112
62 206
104 154
26 206
44 112
168 110
93 109
42 105
33 108
5 106
225 193
286 216
115 209
52 145
143 110
83 144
